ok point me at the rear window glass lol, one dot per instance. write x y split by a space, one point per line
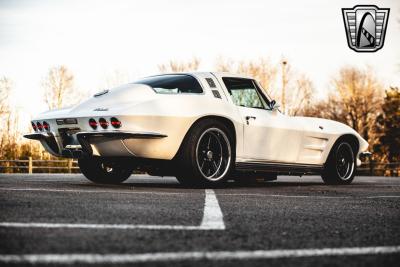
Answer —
172 84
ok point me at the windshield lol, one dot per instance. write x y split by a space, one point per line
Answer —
173 84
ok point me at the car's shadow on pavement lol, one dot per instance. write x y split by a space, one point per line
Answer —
175 185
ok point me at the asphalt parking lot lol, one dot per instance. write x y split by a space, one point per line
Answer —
65 219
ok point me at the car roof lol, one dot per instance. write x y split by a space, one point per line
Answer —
200 74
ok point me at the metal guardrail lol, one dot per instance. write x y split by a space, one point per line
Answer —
368 168
29 164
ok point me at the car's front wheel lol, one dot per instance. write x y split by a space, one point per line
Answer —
207 154
340 167
104 171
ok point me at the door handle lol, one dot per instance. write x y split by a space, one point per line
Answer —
248 118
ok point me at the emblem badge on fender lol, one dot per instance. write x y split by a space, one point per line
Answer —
365 27
100 109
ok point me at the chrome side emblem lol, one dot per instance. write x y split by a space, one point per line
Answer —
365 27
100 109
101 93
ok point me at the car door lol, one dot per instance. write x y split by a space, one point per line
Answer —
268 135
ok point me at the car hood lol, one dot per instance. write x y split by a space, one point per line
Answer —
310 123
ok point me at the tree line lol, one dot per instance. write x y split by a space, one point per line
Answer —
355 97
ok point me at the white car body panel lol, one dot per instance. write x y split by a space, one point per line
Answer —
271 137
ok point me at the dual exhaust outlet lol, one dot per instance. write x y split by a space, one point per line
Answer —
73 151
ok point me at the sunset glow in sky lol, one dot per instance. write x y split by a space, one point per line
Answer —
96 38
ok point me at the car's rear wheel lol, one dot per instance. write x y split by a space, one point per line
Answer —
105 171
207 155
340 167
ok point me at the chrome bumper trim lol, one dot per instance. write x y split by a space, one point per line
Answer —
121 135
47 139
88 138
38 136
73 146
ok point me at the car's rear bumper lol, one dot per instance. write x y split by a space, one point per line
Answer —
92 143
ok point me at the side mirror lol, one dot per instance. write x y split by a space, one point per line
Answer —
273 105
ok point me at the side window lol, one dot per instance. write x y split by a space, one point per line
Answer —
244 93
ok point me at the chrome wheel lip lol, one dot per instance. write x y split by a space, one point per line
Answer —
350 164
228 158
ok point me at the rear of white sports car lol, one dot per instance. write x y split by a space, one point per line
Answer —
125 121
138 125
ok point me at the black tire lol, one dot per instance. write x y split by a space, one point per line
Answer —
207 155
340 168
103 171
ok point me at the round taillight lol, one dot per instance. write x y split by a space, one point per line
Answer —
103 123
34 126
93 124
46 126
115 123
39 126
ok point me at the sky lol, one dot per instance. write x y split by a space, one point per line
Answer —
97 38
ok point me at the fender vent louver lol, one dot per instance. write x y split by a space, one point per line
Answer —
216 94
210 82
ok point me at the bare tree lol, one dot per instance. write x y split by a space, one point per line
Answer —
116 78
299 89
387 128
285 71
361 95
176 66
296 91
355 99
261 69
5 89
330 108
59 90
301 95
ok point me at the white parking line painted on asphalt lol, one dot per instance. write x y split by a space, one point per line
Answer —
98 191
58 190
278 195
383 197
192 256
212 220
99 226
305 196
132 190
212 217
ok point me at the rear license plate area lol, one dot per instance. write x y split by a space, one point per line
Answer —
68 136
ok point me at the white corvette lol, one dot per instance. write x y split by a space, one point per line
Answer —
203 128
